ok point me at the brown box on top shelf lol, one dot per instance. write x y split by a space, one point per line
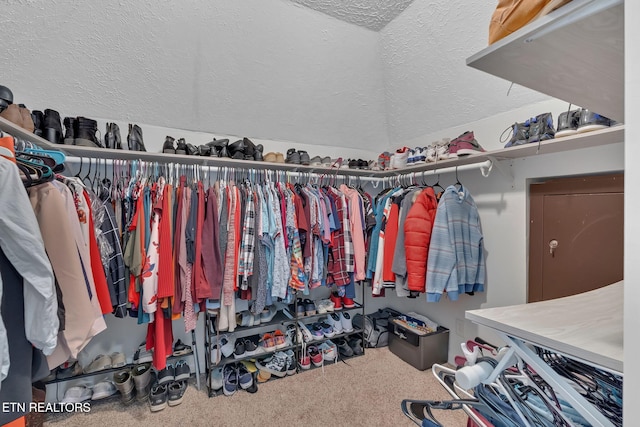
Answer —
421 350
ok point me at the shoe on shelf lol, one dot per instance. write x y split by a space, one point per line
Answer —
291 368
268 343
142 378
182 371
275 364
168 146
316 331
230 380
134 139
348 302
443 149
336 300
431 152
250 347
327 330
294 336
307 336
309 307
258 157
324 306
112 138
181 349
399 158
124 384
270 157
315 161
158 397
541 128
52 126
412 157
38 121
300 309
519 134
420 155
239 349
237 149
268 314
85 133
69 130
100 363
142 355
279 339
329 351
590 121
77 394
568 122
344 348
175 392
293 156
304 158
345 320
467 144
326 162
245 379
315 355
216 379
356 346
181 146
103 389
118 360
222 345
305 360
335 322
69 370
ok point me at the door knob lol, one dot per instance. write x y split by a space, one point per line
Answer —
553 244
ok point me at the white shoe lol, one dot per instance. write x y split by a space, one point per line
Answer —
335 322
420 155
399 159
442 149
345 320
329 351
216 379
307 336
77 394
432 153
103 390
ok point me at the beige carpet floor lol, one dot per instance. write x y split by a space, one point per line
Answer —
366 392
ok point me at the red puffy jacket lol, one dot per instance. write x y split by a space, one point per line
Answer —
417 236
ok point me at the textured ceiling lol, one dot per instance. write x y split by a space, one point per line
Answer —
371 14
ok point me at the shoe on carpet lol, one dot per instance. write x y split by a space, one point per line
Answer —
245 379
125 385
356 346
142 379
344 348
103 389
263 376
175 392
230 380
329 351
216 379
158 397
291 362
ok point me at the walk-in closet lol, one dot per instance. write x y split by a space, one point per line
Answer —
315 212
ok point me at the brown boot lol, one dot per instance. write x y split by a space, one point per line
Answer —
27 120
12 113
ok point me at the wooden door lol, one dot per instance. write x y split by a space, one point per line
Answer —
576 235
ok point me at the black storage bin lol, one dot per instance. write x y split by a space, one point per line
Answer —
420 351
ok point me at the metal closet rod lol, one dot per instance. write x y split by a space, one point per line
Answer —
485 167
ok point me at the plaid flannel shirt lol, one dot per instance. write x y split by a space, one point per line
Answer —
337 265
245 267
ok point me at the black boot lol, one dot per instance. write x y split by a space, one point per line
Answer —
257 156
85 133
192 150
134 139
69 130
219 147
236 149
204 150
168 147
52 128
112 137
38 121
181 147
249 149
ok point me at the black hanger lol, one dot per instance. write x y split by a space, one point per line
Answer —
80 169
458 179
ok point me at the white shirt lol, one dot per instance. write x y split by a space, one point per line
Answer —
21 242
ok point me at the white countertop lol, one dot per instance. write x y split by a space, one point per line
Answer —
588 326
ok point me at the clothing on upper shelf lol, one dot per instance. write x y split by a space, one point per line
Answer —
423 245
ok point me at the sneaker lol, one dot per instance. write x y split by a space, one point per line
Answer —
168 146
124 384
336 324
316 331
356 346
118 360
329 351
348 302
304 158
291 362
568 122
315 161
175 392
167 374
344 348
158 397
443 149
182 371
263 376
336 300
100 363
181 349
300 308
279 339
245 379
268 314
315 355
327 329
250 346
239 349
69 371
77 394
467 145
420 155
142 378
103 389
222 345
216 379
324 306
400 158
142 355
293 156
431 152
519 134
293 335
347 325
181 146
230 380
305 360
412 157
275 365
309 307
590 121
326 162
307 336
541 128
268 343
